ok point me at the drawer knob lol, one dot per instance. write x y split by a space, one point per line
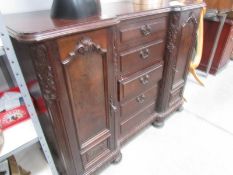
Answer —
140 99
146 30
144 54
145 79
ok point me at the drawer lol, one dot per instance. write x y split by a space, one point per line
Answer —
137 119
145 29
132 86
138 103
141 57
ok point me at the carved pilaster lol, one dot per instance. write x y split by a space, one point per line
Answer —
115 60
44 73
171 52
173 32
192 18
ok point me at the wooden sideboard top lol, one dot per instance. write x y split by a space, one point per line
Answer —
38 26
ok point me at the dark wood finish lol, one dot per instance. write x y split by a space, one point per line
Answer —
182 33
224 48
106 77
137 103
132 32
132 125
142 57
135 84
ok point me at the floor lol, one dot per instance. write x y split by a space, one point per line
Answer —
196 141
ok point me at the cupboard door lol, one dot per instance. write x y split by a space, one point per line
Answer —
184 53
89 80
180 43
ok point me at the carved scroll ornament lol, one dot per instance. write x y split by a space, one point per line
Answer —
84 47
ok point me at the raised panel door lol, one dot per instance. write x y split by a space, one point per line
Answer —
184 53
88 79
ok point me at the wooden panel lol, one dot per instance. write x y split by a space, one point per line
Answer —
86 81
228 49
223 51
95 153
175 96
133 85
141 57
141 30
68 44
184 52
135 120
138 103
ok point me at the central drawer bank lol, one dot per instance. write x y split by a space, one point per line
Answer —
106 77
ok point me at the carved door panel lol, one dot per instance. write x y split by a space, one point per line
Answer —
180 44
185 48
90 81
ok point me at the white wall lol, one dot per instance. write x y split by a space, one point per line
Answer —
17 6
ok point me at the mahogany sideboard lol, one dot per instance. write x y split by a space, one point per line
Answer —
104 78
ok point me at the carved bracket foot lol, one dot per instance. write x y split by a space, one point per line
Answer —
158 123
117 159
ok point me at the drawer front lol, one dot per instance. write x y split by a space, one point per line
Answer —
136 84
137 119
138 103
142 30
141 57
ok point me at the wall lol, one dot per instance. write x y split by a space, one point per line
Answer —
17 6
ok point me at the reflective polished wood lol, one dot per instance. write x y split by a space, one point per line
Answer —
105 78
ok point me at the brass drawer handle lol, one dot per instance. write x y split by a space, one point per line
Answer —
140 99
145 79
146 30
144 53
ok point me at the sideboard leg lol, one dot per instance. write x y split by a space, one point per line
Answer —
117 159
180 109
158 123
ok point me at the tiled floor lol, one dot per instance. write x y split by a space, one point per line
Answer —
196 141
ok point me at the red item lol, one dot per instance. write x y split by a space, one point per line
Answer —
14 116
224 48
40 105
